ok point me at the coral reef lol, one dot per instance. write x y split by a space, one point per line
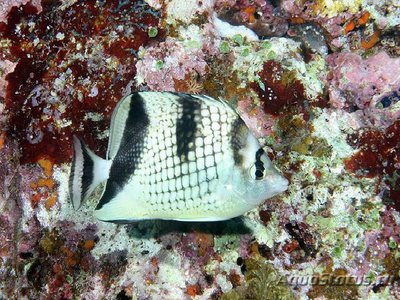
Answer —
316 81
7 5
174 62
73 59
259 16
359 84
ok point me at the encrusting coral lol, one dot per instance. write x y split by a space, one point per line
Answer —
316 81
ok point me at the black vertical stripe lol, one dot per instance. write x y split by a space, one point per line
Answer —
88 165
259 164
87 171
186 125
130 150
238 139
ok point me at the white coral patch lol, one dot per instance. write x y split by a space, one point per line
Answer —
227 30
178 10
265 234
334 129
250 65
223 283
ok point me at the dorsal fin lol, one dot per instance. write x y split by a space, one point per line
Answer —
127 148
117 127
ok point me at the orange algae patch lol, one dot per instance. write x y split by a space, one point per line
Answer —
154 262
71 259
190 84
193 290
2 140
50 202
371 41
289 247
234 278
44 185
45 182
4 251
364 18
47 166
350 26
357 22
36 199
204 241
297 20
88 245
250 13
57 268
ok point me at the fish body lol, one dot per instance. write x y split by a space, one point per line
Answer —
175 156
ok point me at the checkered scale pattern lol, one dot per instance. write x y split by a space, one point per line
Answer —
173 182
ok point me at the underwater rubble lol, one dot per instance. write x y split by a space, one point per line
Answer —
316 81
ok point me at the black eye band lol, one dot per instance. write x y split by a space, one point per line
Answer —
259 153
259 164
259 173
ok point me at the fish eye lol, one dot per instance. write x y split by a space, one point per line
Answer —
257 173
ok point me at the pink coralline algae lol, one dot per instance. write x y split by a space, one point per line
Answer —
165 64
348 30
317 11
260 16
359 84
391 227
7 5
6 67
320 88
255 118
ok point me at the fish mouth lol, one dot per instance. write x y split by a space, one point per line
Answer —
278 183
283 183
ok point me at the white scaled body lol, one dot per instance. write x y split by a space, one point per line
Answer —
175 156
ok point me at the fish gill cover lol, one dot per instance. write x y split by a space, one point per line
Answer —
317 82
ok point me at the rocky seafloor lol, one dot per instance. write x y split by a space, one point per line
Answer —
317 81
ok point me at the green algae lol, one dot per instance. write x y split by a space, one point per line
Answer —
245 52
159 64
392 244
271 55
238 39
224 47
266 45
152 32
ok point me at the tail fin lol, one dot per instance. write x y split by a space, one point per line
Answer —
87 172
